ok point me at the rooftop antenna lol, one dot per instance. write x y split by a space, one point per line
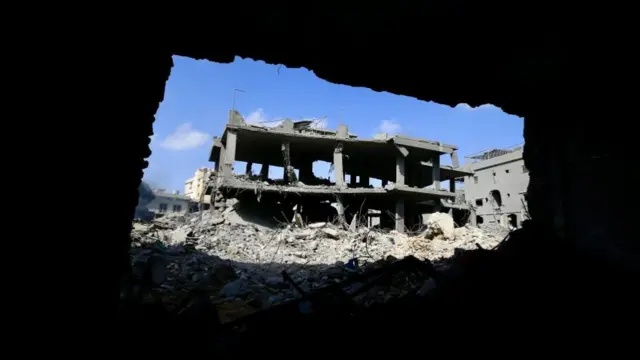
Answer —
233 103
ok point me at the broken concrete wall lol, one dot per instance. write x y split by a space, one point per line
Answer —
169 203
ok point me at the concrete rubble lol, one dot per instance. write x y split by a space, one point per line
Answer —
440 225
240 263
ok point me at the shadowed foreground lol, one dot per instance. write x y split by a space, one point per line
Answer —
478 289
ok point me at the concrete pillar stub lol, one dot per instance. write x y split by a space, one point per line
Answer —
435 171
230 153
235 118
287 125
454 159
400 170
290 175
400 216
221 159
338 166
343 131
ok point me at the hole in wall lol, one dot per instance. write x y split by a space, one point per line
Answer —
496 198
323 173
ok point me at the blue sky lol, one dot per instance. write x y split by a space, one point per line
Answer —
199 95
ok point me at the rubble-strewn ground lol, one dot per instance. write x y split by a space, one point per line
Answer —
240 263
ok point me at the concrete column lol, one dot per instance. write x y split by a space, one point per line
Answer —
352 180
400 216
364 180
248 169
343 131
452 185
230 153
340 210
221 159
290 177
435 171
454 159
400 170
338 166
472 216
264 172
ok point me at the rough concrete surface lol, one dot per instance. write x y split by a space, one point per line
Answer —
240 264
440 225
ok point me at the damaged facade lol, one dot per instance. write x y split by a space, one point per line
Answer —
497 189
196 187
405 167
166 202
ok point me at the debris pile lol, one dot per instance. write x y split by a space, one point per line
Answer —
240 263
258 181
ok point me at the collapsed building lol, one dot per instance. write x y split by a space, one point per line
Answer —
198 189
409 170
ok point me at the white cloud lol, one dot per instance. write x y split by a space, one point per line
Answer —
320 124
467 107
258 117
389 126
185 138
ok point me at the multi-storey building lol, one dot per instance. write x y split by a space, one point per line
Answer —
407 168
166 202
498 186
195 187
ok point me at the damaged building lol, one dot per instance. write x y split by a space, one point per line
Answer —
568 271
196 186
497 189
408 169
168 202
